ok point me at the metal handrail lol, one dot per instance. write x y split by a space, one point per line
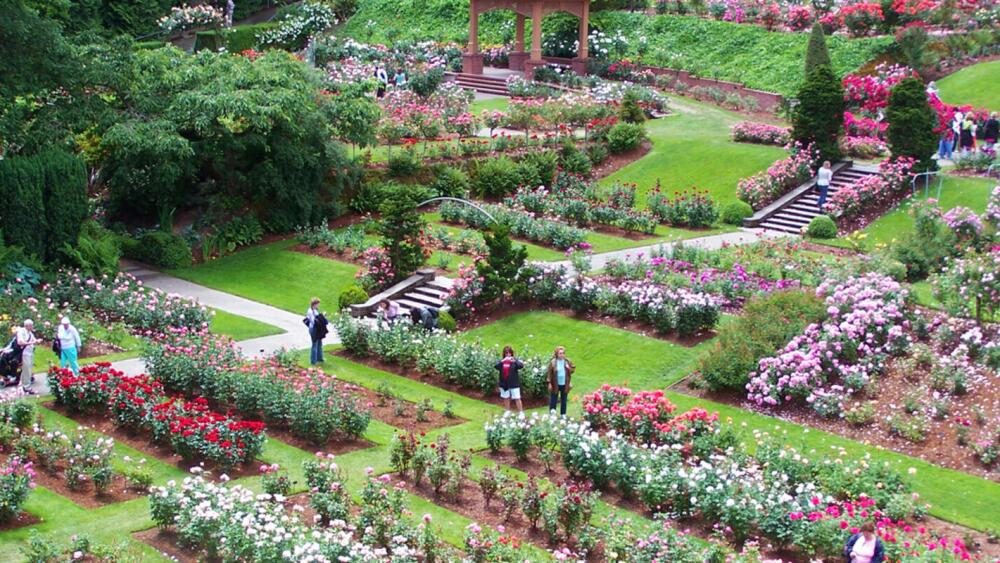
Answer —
459 200
990 168
927 183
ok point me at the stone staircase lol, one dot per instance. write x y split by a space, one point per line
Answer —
793 212
423 289
483 83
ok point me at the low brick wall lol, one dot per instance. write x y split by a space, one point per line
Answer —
768 101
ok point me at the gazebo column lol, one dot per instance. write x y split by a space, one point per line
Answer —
535 60
472 59
580 62
516 58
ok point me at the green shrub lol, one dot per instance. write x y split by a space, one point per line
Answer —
403 164
352 295
597 153
573 160
425 83
911 124
496 177
446 322
368 197
819 115
768 322
538 168
97 251
735 212
149 44
451 182
158 248
917 265
630 111
624 137
235 40
822 226
22 189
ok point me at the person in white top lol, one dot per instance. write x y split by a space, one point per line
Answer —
69 345
823 179
26 340
865 547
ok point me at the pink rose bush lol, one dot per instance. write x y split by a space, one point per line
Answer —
834 358
17 479
761 189
863 147
761 133
873 190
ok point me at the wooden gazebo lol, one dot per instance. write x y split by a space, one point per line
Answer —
472 60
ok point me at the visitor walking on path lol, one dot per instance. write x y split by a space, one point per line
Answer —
68 339
510 381
317 324
865 546
559 372
823 179
26 341
400 79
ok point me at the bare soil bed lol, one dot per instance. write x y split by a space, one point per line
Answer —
22 520
85 496
408 420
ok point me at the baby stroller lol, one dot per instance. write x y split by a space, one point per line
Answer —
10 363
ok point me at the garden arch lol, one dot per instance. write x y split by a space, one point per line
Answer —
528 61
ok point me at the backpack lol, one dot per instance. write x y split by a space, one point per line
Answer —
320 326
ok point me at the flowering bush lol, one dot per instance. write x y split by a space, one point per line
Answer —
799 18
17 478
761 189
969 286
297 24
184 17
762 133
376 269
190 361
574 199
862 18
695 209
525 225
863 147
834 358
872 190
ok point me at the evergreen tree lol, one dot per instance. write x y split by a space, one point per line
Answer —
819 115
22 189
911 124
400 228
65 199
630 111
816 52
500 268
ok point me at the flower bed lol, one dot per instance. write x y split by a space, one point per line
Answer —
192 429
873 191
761 189
832 359
694 210
16 482
523 225
761 133
406 115
468 365
864 147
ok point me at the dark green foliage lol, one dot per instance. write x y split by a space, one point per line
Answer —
912 43
403 164
496 177
822 226
573 160
446 322
819 115
246 8
134 17
65 199
352 295
629 111
500 268
369 197
424 83
96 251
451 182
735 212
235 40
597 153
538 168
400 227
23 222
911 124
24 66
816 51
624 137
352 118
159 248
768 322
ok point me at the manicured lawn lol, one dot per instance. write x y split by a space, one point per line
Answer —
602 354
240 328
977 85
274 275
498 104
897 224
692 148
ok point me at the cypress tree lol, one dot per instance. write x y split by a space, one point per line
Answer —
911 124
65 198
816 52
819 115
400 227
23 219
500 268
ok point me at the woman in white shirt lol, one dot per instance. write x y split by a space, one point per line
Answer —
69 345
823 179
865 547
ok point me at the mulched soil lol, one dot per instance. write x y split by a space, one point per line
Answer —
142 442
416 375
385 411
825 249
336 445
620 160
85 496
22 520
166 542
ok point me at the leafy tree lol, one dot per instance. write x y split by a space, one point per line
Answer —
500 268
911 124
819 115
400 227
816 51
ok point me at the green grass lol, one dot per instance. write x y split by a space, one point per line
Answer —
275 275
692 148
240 328
956 191
977 85
497 104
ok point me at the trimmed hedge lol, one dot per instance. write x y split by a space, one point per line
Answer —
235 40
822 226
158 248
735 212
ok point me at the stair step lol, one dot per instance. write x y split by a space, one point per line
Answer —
781 228
798 214
430 292
788 222
422 299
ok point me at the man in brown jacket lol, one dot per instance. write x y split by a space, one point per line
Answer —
560 371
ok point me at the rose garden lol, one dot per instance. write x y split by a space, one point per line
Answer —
754 374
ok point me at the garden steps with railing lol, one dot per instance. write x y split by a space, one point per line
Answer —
792 212
482 83
423 289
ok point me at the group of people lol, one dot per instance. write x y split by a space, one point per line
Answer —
968 133
66 343
382 78
388 312
558 374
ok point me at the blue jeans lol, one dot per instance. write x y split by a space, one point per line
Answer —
67 357
560 396
944 148
822 195
316 354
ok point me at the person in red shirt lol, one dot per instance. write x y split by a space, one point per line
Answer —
510 381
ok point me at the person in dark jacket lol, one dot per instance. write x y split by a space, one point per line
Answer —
316 322
991 130
865 546
425 316
559 372
510 380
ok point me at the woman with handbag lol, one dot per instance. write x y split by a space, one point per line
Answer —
68 342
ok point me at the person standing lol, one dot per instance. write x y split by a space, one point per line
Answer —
560 371
383 81
968 134
510 381
400 79
69 345
865 546
317 324
26 341
823 179
991 130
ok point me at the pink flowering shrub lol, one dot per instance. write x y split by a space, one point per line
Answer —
969 287
863 147
862 18
831 359
645 416
799 18
761 189
376 270
17 479
964 223
761 133
872 190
